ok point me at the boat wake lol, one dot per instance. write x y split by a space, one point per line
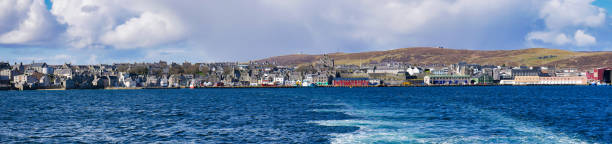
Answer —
387 125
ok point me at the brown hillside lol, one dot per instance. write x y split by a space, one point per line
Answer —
428 55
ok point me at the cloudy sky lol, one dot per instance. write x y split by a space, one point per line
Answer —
107 31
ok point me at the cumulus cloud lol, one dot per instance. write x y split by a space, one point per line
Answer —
549 37
147 30
580 38
559 14
562 17
583 39
121 24
25 22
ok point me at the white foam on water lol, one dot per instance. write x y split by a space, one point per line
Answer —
535 133
370 131
388 131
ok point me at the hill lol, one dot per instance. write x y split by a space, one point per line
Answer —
429 55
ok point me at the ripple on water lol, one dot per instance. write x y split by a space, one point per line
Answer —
167 116
321 115
491 127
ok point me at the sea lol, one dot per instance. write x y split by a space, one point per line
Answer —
492 114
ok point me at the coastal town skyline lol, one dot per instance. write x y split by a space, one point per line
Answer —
323 72
306 71
92 32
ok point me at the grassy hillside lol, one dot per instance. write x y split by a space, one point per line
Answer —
428 55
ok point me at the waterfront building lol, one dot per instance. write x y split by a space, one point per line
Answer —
537 80
24 80
279 80
600 75
68 83
128 82
177 81
152 81
43 80
351 82
447 80
321 80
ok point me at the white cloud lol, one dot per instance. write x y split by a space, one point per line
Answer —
583 39
549 37
246 30
122 24
145 31
579 39
25 22
388 22
86 20
566 16
559 14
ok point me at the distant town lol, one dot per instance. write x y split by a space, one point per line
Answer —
323 73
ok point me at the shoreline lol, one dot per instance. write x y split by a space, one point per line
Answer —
275 87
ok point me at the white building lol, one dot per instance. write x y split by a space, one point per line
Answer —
24 79
413 70
279 80
537 80
128 82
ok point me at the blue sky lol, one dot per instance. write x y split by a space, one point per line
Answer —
48 4
606 4
92 31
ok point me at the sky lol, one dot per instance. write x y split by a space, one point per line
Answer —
114 31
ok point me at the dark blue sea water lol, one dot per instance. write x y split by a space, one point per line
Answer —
563 114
